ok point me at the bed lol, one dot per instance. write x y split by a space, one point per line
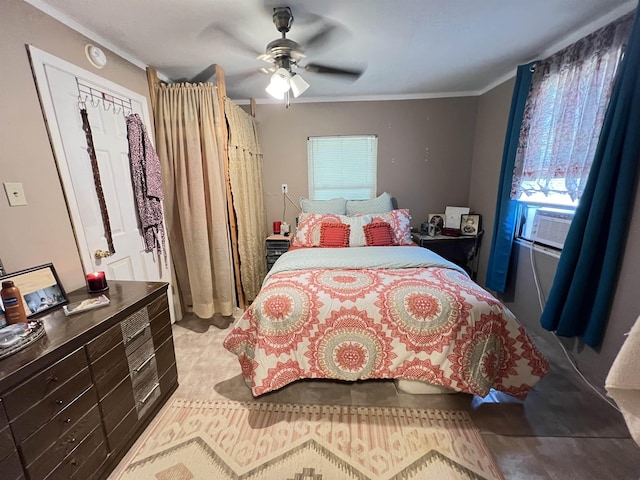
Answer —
395 311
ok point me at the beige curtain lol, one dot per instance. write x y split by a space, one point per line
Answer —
189 143
245 172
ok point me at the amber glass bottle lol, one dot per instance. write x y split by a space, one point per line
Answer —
12 301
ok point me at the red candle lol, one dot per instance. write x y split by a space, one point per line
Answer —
97 282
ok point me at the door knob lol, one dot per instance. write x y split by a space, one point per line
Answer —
102 254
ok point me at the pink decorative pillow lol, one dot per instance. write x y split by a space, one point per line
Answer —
308 230
400 222
379 234
334 234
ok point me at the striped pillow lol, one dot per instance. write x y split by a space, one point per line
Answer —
382 203
334 235
336 206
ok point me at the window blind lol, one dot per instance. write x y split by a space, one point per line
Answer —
342 166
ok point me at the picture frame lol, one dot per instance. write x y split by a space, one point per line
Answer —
470 224
453 217
40 289
436 219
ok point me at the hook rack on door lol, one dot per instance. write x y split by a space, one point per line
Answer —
87 93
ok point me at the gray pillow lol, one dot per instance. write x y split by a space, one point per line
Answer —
334 206
381 204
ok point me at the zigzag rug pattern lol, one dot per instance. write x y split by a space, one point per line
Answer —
232 440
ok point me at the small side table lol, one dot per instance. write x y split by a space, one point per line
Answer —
276 245
463 250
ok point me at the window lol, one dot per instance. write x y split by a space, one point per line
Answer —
562 120
342 166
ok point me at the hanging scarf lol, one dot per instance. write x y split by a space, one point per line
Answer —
147 184
96 180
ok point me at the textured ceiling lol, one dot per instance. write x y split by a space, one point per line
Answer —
409 48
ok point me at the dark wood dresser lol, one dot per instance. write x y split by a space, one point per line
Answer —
73 403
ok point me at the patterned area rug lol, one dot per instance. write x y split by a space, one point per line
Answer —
213 440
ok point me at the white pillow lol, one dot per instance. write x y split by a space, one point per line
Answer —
381 204
309 226
357 237
334 206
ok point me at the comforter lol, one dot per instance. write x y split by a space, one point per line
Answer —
381 312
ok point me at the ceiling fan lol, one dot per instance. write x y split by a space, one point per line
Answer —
285 56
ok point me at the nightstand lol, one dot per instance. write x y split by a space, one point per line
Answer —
463 250
276 246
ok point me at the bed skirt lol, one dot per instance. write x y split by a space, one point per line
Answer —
417 387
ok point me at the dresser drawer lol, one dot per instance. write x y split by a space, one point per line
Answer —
91 450
7 446
43 411
109 370
92 466
159 323
6 443
162 336
41 441
169 379
147 394
66 445
279 245
135 330
165 356
117 404
121 432
108 340
158 306
42 384
11 467
4 422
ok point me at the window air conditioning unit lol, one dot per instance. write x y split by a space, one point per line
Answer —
550 226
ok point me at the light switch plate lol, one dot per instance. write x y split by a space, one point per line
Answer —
15 194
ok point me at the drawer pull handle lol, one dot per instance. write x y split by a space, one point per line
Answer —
74 463
143 365
52 379
137 333
59 402
146 397
71 440
67 420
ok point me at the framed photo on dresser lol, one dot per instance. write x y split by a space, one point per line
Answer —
39 287
470 224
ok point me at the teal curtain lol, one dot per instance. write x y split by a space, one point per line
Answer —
507 209
585 281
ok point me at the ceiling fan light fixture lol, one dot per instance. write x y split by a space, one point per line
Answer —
275 91
298 85
279 84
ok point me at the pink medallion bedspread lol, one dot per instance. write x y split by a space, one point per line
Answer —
345 322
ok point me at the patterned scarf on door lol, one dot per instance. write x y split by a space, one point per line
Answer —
147 184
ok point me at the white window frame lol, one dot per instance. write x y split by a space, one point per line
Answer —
342 166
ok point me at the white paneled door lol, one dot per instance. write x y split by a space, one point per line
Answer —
58 87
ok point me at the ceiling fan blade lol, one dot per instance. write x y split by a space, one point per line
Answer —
221 30
241 77
322 37
315 68
205 75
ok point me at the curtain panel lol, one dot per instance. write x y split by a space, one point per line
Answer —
189 144
585 281
506 208
245 173
564 112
